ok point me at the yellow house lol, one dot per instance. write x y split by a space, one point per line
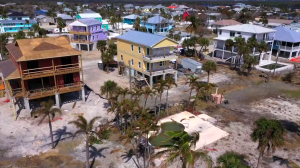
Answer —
147 54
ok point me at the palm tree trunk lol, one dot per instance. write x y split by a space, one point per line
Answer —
145 102
194 103
167 102
208 73
51 134
155 105
87 165
190 98
159 103
259 160
107 67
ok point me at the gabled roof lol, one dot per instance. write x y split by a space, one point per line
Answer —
41 48
158 19
8 67
132 16
142 38
65 16
287 35
249 28
281 21
89 15
89 22
227 23
90 11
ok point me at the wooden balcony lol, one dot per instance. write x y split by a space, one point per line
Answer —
80 41
50 91
80 32
51 71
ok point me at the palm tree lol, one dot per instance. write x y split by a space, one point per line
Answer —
231 159
36 28
60 24
3 41
252 43
199 86
113 21
262 47
30 34
160 88
191 81
249 63
84 127
101 46
47 111
147 92
145 19
194 41
107 57
209 67
264 19
194 24
229 43
170 83
240 43
108 88
137 24
182 144
270 134
203 43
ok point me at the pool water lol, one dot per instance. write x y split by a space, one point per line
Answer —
273 66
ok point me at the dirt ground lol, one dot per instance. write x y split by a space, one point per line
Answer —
25 144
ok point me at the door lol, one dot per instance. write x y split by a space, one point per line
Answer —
148 51
68 78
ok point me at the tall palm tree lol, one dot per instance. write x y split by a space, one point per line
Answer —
194 24
231 159
209 67
229 43
49 112
182 144
240 43
137 24
145 19
36 28
160 88
191 81
199 86
84 127
262 47
170 83
194 41
203 43
252 43
147 92
249 62
270 135
108 88
101 46
60 24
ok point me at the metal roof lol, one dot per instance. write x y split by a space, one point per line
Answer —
192 61
89 22
89 15
287 35
145 39
17 21
249 28
14 14
132 16
65 16
158 19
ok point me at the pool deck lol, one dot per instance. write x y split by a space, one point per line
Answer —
287 66
201 123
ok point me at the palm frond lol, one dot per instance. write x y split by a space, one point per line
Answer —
91 123
79 132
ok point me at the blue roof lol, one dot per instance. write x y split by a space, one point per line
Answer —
287 35
158 19
90 21
145 39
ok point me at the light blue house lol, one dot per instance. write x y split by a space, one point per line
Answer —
130 19
158 24
13 26
286 42
15 22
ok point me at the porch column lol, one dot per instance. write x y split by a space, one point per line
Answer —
164 76
223 50
57 99
151 81
83 94
291 54
27 105
175 77
79 47
88 47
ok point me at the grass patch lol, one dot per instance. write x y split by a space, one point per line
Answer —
291 93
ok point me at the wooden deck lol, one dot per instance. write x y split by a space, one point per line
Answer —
80 32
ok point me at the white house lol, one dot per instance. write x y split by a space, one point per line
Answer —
246 31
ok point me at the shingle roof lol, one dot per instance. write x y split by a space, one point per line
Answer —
16 14
17 21
132 16
89 22
287 35
227 23
158 19
145 39
7 67
250 28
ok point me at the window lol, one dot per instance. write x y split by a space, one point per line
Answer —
139 64
232 34
131 47
148 51
132 62
220 32
139 50
93 37
97 36
121 57
92 28
96 27
162 63
239 33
